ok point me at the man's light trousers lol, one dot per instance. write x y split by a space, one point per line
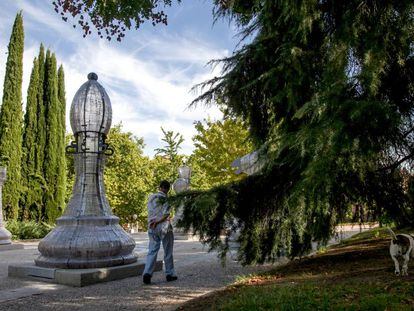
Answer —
156 237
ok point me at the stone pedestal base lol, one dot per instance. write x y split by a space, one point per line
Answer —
5 235
86 242
79 277
9 247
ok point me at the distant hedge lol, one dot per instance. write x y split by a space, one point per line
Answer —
23 230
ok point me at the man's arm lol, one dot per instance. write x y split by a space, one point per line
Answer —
166 214
154 223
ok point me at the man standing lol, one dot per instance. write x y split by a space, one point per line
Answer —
159 230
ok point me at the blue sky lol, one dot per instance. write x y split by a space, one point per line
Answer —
148 76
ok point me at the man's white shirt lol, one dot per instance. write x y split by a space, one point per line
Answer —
158 208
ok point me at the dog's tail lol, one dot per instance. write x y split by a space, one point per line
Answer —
394 237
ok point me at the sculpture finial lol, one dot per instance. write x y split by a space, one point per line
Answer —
92 76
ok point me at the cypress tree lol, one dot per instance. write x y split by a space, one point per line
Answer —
51 163
61 185
41 129
11 120
31 199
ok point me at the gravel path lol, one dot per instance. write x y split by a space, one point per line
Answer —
199 273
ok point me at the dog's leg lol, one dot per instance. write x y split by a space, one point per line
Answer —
404 270
406 258
397 265
394 253
412 246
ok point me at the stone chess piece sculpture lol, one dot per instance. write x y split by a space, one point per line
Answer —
88 235
181 184
5 235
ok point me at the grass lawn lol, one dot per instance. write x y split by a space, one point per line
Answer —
358 274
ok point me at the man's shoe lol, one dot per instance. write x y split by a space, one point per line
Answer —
171 278
146 278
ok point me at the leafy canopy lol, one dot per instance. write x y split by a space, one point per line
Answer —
167 159
217 144
112 18
127 176
173 143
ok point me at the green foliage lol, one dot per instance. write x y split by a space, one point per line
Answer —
23 230
162 170
61 168
326 91
112 19
128 177
70 169
32 194
35 156
51 162
43 161
265 231
41 116
217 145
315 296
167 159
11 120
173 143
41 131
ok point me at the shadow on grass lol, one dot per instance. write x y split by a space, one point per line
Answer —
354 275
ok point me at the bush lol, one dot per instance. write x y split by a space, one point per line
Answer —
23 230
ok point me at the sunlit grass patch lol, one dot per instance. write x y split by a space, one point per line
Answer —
376 233
348 295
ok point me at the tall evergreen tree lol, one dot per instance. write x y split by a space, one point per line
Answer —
11 120
51 163
326 88
31 198
41 128
61 185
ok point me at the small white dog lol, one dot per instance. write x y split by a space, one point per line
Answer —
402 245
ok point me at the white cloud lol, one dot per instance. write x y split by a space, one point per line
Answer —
145 95
148 79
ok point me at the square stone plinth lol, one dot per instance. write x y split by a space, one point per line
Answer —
10 247
79 277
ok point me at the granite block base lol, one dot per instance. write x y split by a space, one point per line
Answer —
79 277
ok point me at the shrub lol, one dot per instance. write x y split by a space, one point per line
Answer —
24 230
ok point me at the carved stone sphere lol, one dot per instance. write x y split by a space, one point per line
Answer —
91 109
